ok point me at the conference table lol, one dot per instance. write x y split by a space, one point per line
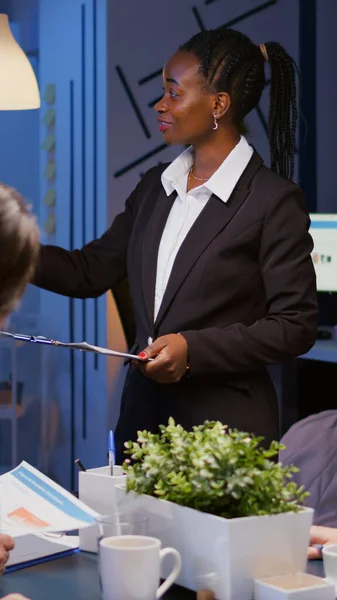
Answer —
76 578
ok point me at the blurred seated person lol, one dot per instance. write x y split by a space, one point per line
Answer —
311 446
19 243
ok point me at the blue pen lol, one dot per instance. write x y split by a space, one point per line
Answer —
111 451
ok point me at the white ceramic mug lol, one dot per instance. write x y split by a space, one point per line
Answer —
329 552
130 567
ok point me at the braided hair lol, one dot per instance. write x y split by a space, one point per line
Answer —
230 62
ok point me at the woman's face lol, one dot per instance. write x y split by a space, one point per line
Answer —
185 112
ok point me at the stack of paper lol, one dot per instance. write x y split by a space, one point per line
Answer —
40 546
36 512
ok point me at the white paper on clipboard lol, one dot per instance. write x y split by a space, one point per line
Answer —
90 348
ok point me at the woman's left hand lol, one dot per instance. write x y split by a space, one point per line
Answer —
170 354
6 545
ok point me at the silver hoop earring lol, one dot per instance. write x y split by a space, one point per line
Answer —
216 125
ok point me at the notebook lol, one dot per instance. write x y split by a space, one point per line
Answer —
34 548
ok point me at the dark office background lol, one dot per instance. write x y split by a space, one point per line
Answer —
76 159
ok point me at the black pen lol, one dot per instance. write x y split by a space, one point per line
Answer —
80 465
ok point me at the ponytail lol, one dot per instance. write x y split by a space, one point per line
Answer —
282 108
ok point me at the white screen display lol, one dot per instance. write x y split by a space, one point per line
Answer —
323 230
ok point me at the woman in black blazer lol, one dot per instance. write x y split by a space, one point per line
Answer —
215 247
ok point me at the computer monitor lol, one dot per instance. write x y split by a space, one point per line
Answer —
323 230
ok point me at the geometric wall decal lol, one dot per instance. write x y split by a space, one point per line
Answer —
49 143
49 95
50 225
50 170
133 101
238 19
49 117
50 197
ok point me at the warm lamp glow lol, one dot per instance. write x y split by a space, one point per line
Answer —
18 85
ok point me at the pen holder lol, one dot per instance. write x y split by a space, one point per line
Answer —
96 488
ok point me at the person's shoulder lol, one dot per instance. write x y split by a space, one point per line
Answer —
148 184
271 192
273 182
149 180
275 191
155 173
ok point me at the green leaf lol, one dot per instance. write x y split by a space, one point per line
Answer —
212 469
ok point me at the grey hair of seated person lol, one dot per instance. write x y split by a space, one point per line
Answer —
19 245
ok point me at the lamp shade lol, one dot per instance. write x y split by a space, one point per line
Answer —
18 85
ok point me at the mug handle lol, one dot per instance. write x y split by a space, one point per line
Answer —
174 573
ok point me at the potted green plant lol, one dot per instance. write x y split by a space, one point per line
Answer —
223 501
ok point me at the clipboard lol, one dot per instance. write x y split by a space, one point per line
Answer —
38 561
33 549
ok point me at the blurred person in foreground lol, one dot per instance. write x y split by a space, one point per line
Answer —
19 243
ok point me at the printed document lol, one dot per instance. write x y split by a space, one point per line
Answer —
32 503
36 512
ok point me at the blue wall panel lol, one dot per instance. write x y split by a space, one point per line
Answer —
69 64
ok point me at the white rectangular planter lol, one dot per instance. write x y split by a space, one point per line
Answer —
225 555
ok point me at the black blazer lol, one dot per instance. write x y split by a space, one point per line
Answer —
242 291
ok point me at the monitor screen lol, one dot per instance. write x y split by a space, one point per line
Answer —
323 230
